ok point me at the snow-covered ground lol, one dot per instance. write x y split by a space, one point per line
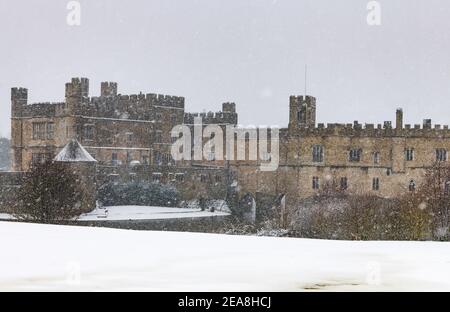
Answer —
116 213
44 257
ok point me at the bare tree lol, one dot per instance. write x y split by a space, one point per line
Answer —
433 198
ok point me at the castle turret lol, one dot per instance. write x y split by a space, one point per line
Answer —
77 93
399 119
229 107
427 123
302 112
108 89
76 158
19 99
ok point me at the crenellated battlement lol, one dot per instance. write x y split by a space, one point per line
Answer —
371 130
228 115
108 104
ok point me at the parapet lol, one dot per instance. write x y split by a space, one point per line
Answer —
165 100
229 107
369 130
78 88
219 118
19 94
108 89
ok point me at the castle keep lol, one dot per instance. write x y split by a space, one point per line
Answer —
120 130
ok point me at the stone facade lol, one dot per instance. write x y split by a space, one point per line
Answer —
382 160
129 135
117 130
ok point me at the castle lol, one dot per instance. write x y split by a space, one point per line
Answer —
120 130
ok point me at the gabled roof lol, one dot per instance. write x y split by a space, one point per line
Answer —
74 152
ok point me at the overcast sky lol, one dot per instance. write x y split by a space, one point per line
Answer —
251 52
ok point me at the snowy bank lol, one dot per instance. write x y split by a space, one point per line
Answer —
45 257
119 213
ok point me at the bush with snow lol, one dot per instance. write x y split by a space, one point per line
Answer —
139 194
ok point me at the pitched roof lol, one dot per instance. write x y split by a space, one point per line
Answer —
74 152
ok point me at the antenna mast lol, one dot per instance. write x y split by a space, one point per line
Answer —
306 78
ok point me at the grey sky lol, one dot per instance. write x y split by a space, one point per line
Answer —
248 51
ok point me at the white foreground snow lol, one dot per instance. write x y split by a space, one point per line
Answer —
116 213
43 258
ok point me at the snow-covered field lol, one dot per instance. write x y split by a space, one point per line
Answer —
44 258
116 213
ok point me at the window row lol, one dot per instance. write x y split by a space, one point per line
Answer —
343 184
39 158
43 130
355 155
179 177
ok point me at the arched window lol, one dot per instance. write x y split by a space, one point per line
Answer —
412 186
447 187
376 158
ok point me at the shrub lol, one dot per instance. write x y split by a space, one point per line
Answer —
138 193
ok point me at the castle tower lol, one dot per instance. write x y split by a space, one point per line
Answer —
302 112
399 119
75 157
19 99
108 89
77 93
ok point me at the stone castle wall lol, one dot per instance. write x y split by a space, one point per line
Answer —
137 127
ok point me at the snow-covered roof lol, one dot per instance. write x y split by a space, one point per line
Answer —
74 152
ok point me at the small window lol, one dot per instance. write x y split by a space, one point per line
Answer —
375 184
129 157
355 155
167 159
39 158
145 160
173 119
50 131
114 159
39 130
179 177
409 154
156 177
447 187
218 179
158 117
130 137
158 158
441 154
388 172
412 186
315 183
344 183
203 178
317 153
376 158
158 136
88 132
